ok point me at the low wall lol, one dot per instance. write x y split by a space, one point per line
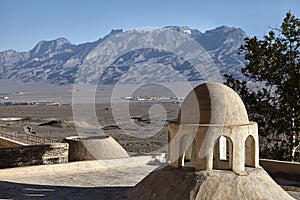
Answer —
5 142
40 154
281 169
25 138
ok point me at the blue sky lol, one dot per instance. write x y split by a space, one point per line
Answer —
24 23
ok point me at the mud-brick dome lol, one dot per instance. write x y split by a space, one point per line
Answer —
213 103
94 148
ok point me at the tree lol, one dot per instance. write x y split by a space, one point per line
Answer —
271 90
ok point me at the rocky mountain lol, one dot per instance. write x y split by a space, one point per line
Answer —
58 61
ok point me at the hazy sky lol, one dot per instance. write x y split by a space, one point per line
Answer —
25 22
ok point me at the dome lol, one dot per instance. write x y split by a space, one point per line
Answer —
94 148
213 103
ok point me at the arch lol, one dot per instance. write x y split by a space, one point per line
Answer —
223 148
186 150
250 151
223 153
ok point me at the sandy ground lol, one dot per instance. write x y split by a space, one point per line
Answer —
56 122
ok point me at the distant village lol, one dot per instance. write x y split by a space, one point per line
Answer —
155 98
48 103
7 102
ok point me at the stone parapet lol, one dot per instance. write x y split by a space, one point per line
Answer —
40 154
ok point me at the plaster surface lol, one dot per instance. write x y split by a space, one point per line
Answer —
105 179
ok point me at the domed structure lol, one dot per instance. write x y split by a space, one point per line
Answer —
213 131
213 103
94 148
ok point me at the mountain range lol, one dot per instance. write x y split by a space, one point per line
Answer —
58 61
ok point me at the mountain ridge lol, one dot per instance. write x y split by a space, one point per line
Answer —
58 61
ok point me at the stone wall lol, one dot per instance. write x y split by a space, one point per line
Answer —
41 154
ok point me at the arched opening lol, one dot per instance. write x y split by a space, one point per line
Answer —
250 151
223 148
187 151
223 153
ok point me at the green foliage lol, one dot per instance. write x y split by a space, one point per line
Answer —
271 88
